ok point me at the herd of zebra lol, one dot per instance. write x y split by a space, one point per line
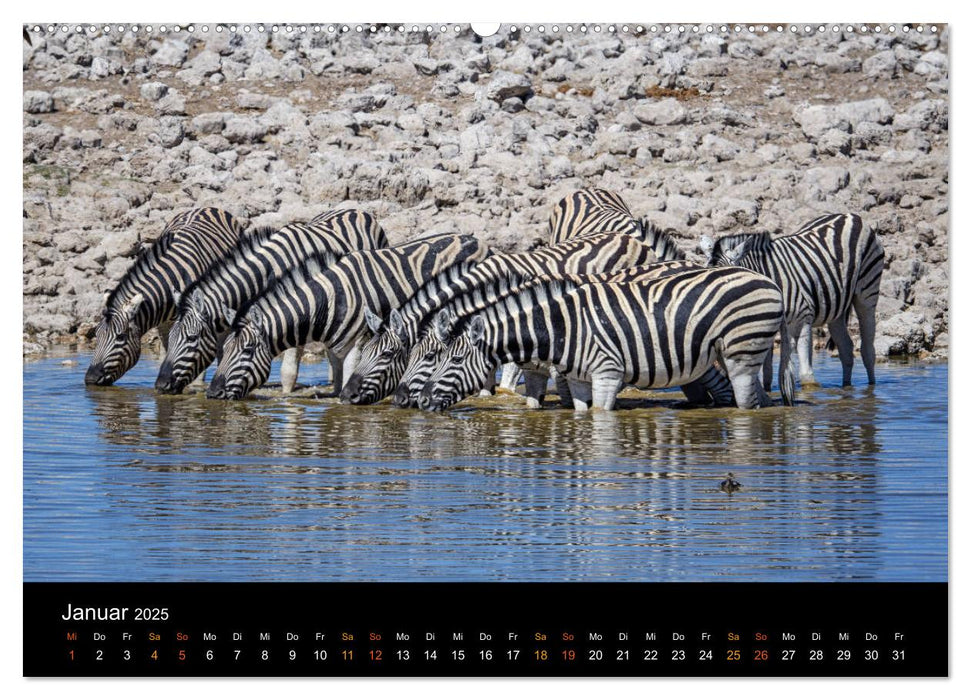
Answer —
611 301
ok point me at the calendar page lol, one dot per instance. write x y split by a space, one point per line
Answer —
607 349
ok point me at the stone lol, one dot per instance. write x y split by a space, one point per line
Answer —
153 91
244 130
171 53
662 112
880 65
170 132
503 85
38 102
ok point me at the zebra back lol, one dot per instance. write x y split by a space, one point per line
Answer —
588 211
359 229
327 305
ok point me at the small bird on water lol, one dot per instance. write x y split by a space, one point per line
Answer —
729 485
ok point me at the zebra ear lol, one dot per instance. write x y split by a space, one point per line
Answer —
443 326
373 321
397 323
176 296
229 315
476 329
737 253
707 245
131 307
257 320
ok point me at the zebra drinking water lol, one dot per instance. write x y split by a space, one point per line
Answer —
830 264
436 335
328 305
652 334
143 299
200 326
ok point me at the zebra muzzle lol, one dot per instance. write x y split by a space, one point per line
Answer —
217 389
165 383
351 393
96 376
401 397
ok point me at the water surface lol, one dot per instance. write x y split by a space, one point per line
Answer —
123 484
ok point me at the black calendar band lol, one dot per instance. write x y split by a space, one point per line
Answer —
486 629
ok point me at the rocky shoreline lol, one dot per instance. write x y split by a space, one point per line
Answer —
434 132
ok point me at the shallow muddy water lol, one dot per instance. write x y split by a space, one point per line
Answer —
123 484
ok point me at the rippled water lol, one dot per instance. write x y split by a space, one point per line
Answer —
123 484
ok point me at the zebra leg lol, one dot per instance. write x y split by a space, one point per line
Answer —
696 393
607 384
712 387
844 344
804 346
536 383
336 371
582 394
562 388
866 314
767 370
490 386
290 368
744 375
350 363
510 377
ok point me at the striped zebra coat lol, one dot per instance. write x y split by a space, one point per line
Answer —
596 210
327 305
831 264
143 299
591 210
435 336
652 334
384 356
199 325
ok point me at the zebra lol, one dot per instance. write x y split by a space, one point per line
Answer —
653 333
327 305
433 341
383 358
591 210
143 299
199 325
830 264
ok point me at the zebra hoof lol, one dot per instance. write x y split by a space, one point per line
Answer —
533 403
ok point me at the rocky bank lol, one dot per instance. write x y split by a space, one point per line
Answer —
444 131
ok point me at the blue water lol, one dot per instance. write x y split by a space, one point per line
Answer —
123 484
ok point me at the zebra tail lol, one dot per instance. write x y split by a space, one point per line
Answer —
787 366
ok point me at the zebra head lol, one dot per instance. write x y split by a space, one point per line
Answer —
118 343
465 368
728 251
246 358
382 362
423 359
193 344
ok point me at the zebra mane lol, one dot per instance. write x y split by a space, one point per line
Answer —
757 241
245 246
310 267
661 241
146 259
